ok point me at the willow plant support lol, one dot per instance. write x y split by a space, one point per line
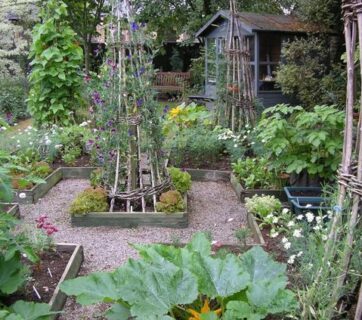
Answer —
350 173
239 109
128 53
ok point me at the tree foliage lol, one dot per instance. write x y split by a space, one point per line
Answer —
84 17
172 18
15 36
55 77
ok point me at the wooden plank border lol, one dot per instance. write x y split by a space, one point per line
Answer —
14 209
59 298
132 219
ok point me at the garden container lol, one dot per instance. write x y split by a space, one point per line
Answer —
302 192
310 204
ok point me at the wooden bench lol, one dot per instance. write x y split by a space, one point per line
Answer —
171 82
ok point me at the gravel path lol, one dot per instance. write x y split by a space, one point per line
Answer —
213 207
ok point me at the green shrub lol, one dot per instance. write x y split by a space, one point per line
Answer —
253 173
13 95
263 205
181 180
41 169
170 201
90 200
299 141
96 177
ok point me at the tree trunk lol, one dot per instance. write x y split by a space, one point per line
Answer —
86 47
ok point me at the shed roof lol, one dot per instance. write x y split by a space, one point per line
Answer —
262 22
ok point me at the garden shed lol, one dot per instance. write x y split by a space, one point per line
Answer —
267 33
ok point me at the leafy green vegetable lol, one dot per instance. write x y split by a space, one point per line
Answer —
22 310
168 278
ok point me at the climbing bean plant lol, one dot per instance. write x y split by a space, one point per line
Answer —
56 59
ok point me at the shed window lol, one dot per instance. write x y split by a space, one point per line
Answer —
269 60
211 57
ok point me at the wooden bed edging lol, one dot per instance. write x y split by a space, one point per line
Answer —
40 190
14 209
176 220
59 298
208 175
249 193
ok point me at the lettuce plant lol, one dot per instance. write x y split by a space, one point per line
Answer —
173 283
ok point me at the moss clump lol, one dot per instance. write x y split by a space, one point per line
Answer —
170 202
180 179
90 200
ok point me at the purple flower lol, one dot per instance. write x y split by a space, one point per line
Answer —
130 133
110 123
166 108
113 130
134 26
139 102
87 78
143 24
96 98
140 72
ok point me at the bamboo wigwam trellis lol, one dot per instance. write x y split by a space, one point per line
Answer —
138 173
350 174
239 108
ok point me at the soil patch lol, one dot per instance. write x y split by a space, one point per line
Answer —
83 161
44 277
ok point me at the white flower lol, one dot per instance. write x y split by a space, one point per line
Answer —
245 137
300 217
263 140
58 146
30 143
287 245
48 142
275 220
309 216
285 211
22 195
310 265
318 219
3 128
17 141
297 233
299 253
291 259
290 224
83 124
269 216
235 145
89 121
284 240
324 237
317 227
274 234
252 143
308 205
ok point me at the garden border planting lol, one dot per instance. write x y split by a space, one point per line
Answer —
132 219
40 190
249 193
59 298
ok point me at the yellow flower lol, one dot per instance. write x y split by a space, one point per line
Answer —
204 310
174 112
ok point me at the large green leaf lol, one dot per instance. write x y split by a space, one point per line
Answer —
240 310
12 274
97 287
267 277
219 277
22 310
152 290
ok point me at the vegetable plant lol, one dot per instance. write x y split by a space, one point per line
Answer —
254 173
170 202
181 180
186 283
263 205
297 140
56 59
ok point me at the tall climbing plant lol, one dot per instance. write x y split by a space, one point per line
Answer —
55 78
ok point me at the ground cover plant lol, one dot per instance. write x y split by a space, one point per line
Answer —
185 283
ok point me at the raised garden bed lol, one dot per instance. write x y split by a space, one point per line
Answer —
55 267
38 191
249 193
11 208
132 219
